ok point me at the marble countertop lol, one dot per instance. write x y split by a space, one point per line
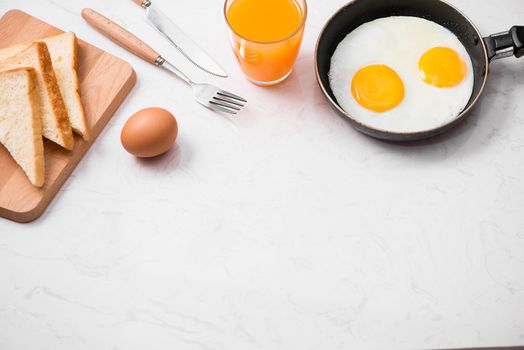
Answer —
284 229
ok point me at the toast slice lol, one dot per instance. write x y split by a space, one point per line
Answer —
63 49
55 122
20 126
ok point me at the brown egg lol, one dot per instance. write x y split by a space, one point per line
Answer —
149 132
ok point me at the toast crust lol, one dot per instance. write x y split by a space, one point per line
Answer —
85 132
53 91
39 160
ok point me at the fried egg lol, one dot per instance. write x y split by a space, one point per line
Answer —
401 74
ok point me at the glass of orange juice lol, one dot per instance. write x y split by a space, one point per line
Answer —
266 36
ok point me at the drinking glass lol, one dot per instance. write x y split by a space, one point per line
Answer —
267 63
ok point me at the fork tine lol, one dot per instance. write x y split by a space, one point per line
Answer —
219 107
230 95
227 100
225 104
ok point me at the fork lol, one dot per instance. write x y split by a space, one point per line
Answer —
207 95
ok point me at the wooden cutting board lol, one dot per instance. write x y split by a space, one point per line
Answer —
104 83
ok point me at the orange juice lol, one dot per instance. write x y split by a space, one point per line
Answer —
264 20
266 36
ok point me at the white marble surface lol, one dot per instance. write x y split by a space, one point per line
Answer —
284 229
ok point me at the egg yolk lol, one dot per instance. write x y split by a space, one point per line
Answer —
377 88
442 67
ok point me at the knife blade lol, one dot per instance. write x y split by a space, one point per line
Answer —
176 37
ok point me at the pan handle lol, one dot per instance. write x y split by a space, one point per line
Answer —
506 44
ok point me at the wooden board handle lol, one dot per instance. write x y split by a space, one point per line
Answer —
120 35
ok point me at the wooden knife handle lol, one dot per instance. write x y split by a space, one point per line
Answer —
120 35
138 2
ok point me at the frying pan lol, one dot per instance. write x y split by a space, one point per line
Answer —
482 50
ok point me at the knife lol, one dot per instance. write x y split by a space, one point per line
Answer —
179 39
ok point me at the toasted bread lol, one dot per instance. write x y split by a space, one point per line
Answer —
20 126
55 122
63 50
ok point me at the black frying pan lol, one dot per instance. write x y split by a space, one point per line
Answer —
481 50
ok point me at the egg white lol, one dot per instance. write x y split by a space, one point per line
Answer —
399 42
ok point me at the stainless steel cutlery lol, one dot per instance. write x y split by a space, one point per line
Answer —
208 95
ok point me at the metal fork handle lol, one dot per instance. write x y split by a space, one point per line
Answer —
160 61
